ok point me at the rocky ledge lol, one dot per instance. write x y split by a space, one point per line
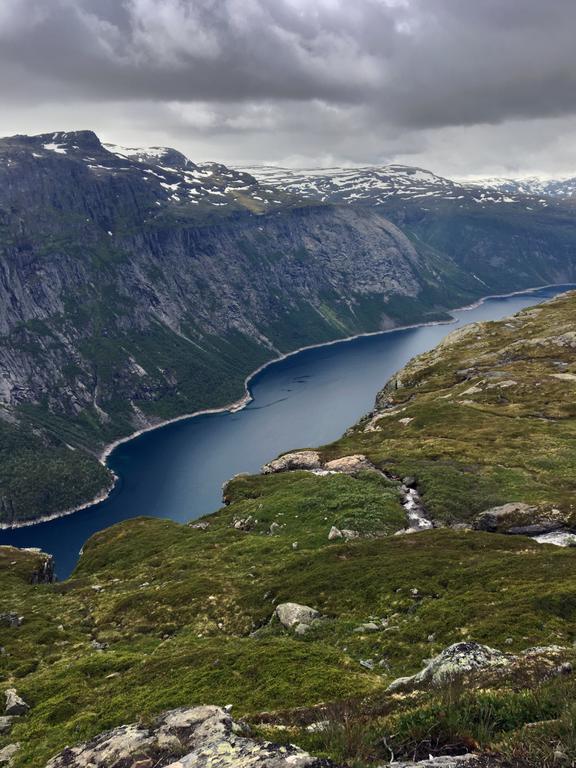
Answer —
201 737
476 662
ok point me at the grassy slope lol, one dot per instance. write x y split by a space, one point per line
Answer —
178 606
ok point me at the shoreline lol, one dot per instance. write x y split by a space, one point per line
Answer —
247 398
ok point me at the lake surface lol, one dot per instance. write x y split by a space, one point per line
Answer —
305 400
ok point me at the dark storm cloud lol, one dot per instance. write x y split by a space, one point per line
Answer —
416 63
343 80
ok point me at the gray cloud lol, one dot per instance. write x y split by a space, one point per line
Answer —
362 81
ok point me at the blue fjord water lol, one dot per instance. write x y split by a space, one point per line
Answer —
307 399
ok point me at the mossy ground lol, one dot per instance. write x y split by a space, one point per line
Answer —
184 613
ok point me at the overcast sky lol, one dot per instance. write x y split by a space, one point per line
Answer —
463 87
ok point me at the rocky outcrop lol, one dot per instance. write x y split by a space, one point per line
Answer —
44 572
520 519
202 737
311 460
349 464
483 665
7 753
450 761
454 662
15 705
292 461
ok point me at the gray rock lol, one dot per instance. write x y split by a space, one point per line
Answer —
15 705
446 761
244 523
291 614
292 461
520 519
349 464
5 724
202 737
275 528
335 533
370 626
7 753
453 662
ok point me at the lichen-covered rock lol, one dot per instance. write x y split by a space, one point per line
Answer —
15 705
448 761
7 753
520 519
349 464
292 614
291 461
334 533
201 737
453 662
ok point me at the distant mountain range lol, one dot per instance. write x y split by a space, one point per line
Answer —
137 285
379 185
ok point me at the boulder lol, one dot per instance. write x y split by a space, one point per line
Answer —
292 614
335 533
349 464
520 519
452 663
291 461
5 724
7 753
201 737
14 704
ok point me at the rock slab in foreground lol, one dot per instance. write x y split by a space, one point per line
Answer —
201 737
